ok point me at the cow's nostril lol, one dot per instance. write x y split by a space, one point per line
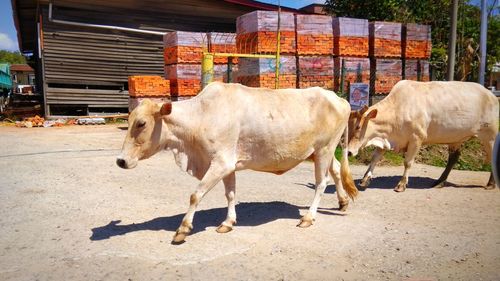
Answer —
121 163
349 153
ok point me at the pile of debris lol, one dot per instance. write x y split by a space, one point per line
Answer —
29 122
38 121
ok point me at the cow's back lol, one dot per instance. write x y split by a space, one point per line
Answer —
444 112
270 130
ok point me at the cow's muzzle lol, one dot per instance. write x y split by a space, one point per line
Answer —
121 163
351 152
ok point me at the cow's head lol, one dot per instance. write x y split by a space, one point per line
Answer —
143 138
358 127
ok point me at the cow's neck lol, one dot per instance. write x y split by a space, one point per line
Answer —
382 127
182 122
179 135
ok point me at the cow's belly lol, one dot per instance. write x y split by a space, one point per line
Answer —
275 167
451 133
274 159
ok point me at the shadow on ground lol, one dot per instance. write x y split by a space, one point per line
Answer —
389 182
413 183
249 214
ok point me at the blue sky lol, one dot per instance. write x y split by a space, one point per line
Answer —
293 3
8 35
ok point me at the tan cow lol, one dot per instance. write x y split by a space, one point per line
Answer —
230 127
418 113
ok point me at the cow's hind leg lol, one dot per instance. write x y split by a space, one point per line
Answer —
377 155
230 186
410 154
321 165
487 138
215 173
453 155
341 193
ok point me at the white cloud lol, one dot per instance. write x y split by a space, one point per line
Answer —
6 43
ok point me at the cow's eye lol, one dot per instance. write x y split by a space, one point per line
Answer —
141 124
358 127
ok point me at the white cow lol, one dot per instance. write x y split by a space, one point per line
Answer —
418 113
230 127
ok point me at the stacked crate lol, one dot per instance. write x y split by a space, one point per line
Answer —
221 73
256 32
386 54
219 42
314 35
147 87
315 71
385 74
314 50
356 70
350 37
183 52
385 39
261 72
185 79
417 48
417 70
417 41
350 47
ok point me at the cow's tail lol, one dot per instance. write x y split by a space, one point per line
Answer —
345 171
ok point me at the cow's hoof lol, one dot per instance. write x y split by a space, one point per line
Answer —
306 221
400 188
182 232
224 228
304 224
179 238
365 182
490 187
343 205
439 184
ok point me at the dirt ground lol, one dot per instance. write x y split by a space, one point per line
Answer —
67 212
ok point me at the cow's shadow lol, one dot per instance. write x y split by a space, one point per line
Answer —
389 182
330 189
249 214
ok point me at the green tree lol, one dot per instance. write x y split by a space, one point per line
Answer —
12 57
436 14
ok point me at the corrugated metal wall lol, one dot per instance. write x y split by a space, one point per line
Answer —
90 66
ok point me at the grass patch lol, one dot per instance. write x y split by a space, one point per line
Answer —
471 156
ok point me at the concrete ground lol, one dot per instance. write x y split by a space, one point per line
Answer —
67 212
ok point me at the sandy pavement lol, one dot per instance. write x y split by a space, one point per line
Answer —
67 212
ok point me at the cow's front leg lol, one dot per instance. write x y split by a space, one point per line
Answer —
230 186
321 166
410 154
377 155
215 173
341 193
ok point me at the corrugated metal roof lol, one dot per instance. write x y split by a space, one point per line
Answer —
21 67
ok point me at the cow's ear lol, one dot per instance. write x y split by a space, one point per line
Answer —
166 108
354 114
372 114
